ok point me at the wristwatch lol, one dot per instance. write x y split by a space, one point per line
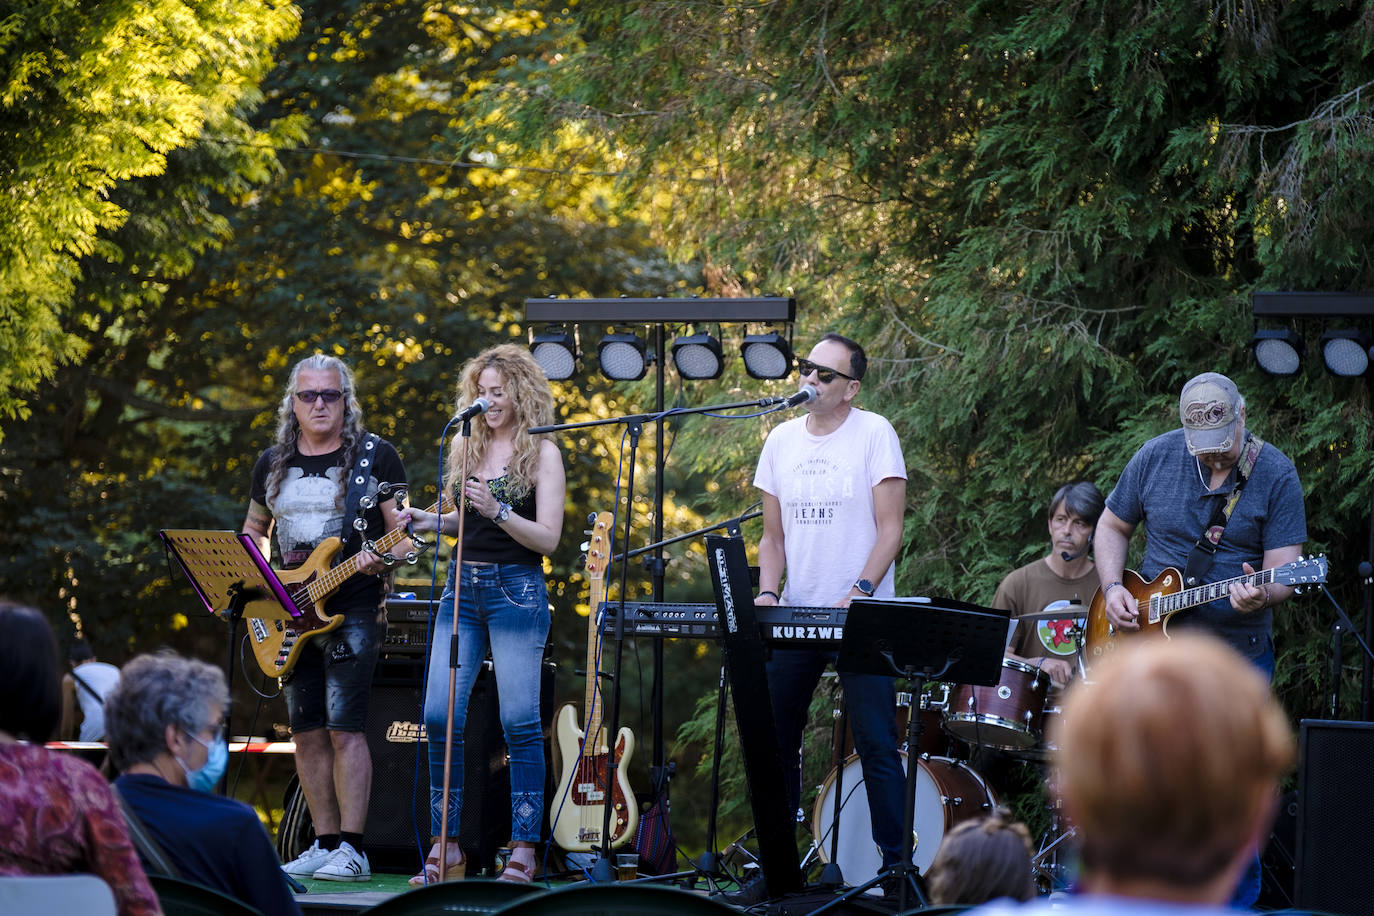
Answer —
502 513
865 586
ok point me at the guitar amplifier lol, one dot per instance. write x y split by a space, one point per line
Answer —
407 626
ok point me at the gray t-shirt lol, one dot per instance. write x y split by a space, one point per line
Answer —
1163 487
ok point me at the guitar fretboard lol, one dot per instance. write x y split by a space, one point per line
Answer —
1163 605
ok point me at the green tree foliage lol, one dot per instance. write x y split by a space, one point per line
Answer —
373 237
91 98
1042 219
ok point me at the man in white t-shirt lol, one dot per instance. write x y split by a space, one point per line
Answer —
834 490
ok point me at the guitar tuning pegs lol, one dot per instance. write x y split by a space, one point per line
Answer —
591 520
586 545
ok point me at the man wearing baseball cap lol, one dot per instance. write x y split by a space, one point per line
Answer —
1216 503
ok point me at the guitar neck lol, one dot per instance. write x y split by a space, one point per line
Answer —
328 583
1205 594
598 556
592 698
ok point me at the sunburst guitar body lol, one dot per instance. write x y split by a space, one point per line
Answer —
1162 597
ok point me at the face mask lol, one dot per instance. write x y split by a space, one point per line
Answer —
216 760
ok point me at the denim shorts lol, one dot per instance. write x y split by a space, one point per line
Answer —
331 682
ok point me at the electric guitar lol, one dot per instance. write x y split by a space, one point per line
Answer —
1160 599
277 643
579 811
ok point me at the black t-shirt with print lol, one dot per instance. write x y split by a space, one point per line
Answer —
308 508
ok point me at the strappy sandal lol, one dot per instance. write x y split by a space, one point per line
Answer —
430 874
516 872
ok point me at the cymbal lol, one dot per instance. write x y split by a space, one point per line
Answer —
1075 609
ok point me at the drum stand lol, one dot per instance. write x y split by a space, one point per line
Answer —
1048 870
918 640
1046 867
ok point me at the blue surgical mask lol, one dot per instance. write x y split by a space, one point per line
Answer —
216 760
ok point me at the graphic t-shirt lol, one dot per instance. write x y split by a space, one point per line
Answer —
308 508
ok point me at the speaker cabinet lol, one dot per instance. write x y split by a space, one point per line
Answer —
1335 797
398 811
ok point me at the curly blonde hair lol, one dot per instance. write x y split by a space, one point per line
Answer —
528 389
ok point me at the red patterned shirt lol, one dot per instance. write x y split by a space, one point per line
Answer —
59 816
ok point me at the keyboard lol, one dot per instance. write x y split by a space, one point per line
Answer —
778 624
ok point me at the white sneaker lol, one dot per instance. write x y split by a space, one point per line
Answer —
344 864
306 864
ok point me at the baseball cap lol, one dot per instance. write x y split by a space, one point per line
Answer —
1209 409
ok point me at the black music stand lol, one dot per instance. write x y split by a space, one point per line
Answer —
229 574
920 640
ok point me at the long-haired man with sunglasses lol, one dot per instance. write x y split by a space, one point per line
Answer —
834 490
300 496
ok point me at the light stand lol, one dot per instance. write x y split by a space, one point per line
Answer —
1291 305
659 311
603 870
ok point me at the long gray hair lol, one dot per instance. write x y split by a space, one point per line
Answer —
155 691
288 428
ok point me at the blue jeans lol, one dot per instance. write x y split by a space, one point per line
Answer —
1248 890
869 700
505 607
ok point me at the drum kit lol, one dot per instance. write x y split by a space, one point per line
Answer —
1015 717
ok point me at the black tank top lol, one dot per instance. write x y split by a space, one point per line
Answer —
485 540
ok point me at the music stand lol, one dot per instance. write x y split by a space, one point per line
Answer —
229 575
920 640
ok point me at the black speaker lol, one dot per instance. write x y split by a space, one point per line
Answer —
1335 796
398 811
399 808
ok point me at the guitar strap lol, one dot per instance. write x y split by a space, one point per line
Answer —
1204 551
89 689
357 483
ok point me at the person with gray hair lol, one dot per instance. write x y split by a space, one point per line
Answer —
1064 579
307 487
165 721
1218 503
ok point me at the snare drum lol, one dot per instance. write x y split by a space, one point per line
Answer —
948 792
1007 716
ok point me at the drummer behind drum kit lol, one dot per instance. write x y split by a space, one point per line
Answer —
1013 717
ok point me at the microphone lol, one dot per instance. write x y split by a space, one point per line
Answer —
1070 557
807 393
481 405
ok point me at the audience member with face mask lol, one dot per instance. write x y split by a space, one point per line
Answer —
165 723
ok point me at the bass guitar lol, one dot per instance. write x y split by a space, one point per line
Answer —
277 643
1158 600
579 811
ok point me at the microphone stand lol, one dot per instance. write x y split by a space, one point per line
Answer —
709 864
603 870
457 560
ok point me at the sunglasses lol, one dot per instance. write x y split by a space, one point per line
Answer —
330 395
826 375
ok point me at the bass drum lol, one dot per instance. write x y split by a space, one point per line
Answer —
948 792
